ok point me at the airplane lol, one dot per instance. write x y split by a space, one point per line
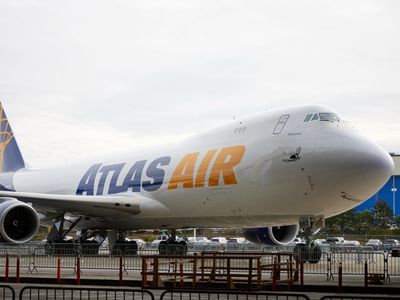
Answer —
272 174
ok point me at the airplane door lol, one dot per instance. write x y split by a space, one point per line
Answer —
281 124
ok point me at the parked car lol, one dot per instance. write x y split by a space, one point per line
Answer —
140 243
390 243
335 241
220 240
321 242
298 240
217 243
164 237
376 244
352 243
235 243
201 240
236 240
156 242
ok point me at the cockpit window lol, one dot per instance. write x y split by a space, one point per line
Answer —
326 117
315 117
329 117
308 118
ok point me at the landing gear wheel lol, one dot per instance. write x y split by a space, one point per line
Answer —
61 248
182 248
315 254
90 247
172 248
301 253
308 251
125 248
311 253
162 248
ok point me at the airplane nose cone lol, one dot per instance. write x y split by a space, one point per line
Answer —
377 167
352 166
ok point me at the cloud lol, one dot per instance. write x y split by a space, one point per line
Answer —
79 77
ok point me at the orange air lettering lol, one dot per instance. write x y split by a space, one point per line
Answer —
202 172
184 172
224 163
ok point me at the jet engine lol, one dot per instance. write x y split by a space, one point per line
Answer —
19 222
273 236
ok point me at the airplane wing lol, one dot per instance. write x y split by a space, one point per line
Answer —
111 206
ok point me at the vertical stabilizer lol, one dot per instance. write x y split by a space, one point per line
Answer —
10 156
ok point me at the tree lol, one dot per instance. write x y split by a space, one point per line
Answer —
397 221
382 214
343 223
364 221
365 218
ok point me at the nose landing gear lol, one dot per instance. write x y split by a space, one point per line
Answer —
172 246
309 251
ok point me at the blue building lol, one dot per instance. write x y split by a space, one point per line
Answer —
388 192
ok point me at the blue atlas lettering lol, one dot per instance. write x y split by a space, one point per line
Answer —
113 189
156 173
134 177
132 181
86 185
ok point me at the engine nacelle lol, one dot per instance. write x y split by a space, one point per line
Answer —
273 236
19 222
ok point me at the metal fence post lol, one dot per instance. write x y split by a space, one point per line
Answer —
17 276
301 273
58 270
250 278
340 277
120 269
259 274
194 280
329 268
274 271
155 272
181 274
366 274
78 270
144 271
386 268
7 269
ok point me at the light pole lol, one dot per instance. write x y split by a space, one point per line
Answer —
394 190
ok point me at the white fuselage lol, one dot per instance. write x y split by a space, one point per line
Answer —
283 171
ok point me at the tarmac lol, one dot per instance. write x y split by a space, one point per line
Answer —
314 286
102 272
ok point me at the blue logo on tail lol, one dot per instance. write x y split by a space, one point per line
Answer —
10 156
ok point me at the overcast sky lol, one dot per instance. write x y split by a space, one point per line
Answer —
79 78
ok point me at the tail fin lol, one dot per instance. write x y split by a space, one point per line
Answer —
10 156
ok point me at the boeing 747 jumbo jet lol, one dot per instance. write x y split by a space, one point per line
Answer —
271 174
